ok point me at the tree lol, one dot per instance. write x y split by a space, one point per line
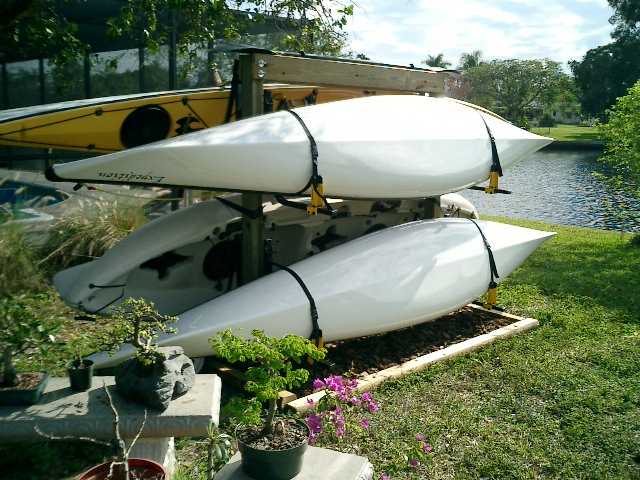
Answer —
437 61
516 87
626 17
621 135
605 73
35 29
38 26
471 60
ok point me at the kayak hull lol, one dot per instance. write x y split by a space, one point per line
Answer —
190 256
387 280
389 146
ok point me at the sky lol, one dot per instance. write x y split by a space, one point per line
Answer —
402 32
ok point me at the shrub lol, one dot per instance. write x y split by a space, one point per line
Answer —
88 233
19 269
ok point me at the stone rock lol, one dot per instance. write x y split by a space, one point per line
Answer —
156 386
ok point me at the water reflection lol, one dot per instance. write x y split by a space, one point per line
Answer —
556 187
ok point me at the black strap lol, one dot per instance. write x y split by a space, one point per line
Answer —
482 189
233 100
315 179
492 261
495 158
252 214
302 206
316 332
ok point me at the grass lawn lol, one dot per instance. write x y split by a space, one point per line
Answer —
569 133
560 402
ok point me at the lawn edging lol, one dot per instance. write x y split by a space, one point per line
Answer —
520 325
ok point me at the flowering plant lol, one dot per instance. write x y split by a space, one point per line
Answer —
333 420
343 412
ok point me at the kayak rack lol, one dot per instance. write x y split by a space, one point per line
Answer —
257 67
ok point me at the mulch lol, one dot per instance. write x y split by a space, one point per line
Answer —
366 355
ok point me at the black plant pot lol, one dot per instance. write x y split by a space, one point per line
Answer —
80 373
263 464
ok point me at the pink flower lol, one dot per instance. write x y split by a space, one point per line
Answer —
367 397
334 383
315 423
420 438
384 477
426 447
354 400
310 401
312 439
414 463
365 422
340 431
373 406
317 383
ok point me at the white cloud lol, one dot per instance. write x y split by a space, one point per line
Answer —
407 32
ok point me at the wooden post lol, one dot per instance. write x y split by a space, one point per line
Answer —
432 207
251 92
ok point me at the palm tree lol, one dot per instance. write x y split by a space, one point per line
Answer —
470 60
437 61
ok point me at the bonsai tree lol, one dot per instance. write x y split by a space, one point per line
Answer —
137 323
271 371
77 345
21 332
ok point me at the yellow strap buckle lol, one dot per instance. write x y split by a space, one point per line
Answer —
319 344
492 298
493 183
317 199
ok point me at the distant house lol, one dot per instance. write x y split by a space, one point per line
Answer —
568 117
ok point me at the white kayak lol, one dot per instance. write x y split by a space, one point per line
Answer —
390 279
389 146
191 256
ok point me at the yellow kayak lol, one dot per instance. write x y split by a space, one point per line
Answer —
110 124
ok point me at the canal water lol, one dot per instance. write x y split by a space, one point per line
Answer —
557 187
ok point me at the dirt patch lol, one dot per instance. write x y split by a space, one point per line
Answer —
367 355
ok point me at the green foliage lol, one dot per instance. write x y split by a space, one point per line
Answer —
513 87
137 323
470 60
36 27
271 371
622 146
605 73
436 61
22 330
312 27
88 232
626 17
547 121
19 270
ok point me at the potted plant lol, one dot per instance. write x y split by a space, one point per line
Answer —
22 332
79 370
122 467
155 375
270 447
